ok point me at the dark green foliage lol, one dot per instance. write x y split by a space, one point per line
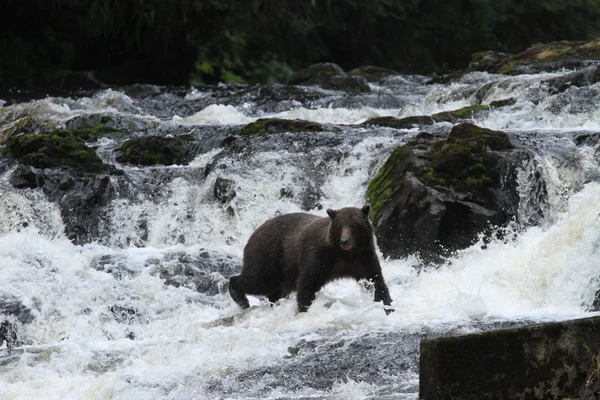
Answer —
265 126
205 41
153 150
54 149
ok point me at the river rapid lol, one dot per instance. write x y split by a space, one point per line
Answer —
104 321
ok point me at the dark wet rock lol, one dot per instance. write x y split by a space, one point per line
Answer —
374 358
116 265
462 114
311 198
56 149
24 177
8 334
329 76
286 192
116 123
588 139
596 303
205 272
372 73
153 150
265 126
547 57
11 306
13 314
224 190
546 361
584 77
503 103
401 123
434 196
80 197
489 61
126 314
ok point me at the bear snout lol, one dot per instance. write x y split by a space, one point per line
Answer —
346 242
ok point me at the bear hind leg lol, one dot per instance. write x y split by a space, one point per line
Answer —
274 296
237 292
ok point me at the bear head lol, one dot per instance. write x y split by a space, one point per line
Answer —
350 228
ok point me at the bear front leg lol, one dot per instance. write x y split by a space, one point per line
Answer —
375 275
309 283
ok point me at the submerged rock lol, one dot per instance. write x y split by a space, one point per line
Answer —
329 76
433 196
464 113
224 190
207 272
13 314
153 150
265 126
401 123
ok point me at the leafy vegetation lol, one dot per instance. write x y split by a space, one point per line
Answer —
204 41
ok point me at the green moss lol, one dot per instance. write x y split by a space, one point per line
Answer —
153 150
400 123
387 180
460 164
265 126
461 113
508 67
52 150
429 176
482 137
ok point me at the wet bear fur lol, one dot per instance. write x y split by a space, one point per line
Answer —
302 252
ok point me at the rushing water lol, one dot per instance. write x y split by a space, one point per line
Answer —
106 326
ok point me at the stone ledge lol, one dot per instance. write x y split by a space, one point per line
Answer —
546 361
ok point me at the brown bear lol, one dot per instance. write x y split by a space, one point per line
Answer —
302 252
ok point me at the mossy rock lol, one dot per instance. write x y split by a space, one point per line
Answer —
461 113
54 149
329 76
388 180
489 61
153 150
463 162
503 103
551 56
400 123
94 133
265 126
372 73
495 140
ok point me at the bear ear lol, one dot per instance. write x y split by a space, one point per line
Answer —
331 213
366 209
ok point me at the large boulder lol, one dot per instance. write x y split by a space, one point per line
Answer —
56 149
547 361
547 57
329 76
69 172
434 196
